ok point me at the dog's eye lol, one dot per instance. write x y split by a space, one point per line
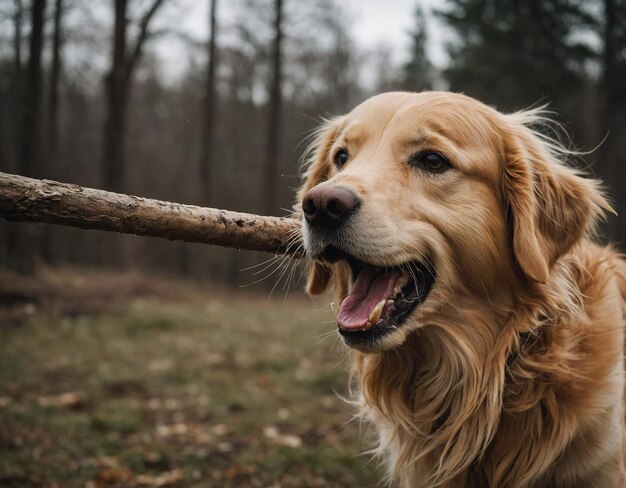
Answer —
430 161
341 158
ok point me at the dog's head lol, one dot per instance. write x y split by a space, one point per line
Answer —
413 203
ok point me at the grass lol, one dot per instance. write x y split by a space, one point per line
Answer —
172 385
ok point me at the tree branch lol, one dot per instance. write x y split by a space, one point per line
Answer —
142 36
32 200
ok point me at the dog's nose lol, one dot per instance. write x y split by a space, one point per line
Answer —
328 206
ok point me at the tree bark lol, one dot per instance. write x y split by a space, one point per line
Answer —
275 109
25 199
206 160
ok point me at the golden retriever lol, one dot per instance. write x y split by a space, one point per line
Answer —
487 328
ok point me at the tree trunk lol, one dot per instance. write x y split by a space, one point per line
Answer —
206 161
609 108
8 233
117 96
27 240
274 114
31 123
118 82
16 91
118 85
609 61
52 123
17 41
9 151
53 88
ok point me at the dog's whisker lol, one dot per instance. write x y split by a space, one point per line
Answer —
280 277
293 266
324 338
271 263
273 258
278 264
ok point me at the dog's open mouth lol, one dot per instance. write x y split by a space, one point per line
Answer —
381 298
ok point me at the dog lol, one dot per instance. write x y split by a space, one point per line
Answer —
486 326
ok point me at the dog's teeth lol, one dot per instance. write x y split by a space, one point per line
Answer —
402 282
377 312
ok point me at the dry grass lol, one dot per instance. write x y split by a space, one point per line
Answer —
119 380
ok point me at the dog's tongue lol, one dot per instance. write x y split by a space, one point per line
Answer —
371 286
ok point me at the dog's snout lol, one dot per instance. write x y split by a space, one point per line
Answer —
328 206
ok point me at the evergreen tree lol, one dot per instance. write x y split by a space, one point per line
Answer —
417 72
514 53
612 109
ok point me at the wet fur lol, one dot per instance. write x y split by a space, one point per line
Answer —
511 373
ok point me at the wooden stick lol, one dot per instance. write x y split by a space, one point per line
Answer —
30 200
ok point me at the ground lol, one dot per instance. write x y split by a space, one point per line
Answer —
121 380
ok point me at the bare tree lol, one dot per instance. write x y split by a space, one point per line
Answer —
30 131
274 113
8 233
208 130
13 130
53 86
118 82
25 245
17 38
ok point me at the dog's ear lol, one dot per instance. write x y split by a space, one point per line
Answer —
318 169
551 205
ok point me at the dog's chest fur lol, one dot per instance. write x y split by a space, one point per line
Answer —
561 417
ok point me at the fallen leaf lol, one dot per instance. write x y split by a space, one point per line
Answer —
71 400
224 447
112 476
106 461
169 430
274 435
219 429
163 479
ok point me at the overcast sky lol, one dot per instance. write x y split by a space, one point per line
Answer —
390 21
374 22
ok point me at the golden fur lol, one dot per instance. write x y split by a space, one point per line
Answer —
511 373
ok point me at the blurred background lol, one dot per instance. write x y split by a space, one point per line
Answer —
129 361
211 104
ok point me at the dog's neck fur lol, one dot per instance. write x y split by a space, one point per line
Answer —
450 396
